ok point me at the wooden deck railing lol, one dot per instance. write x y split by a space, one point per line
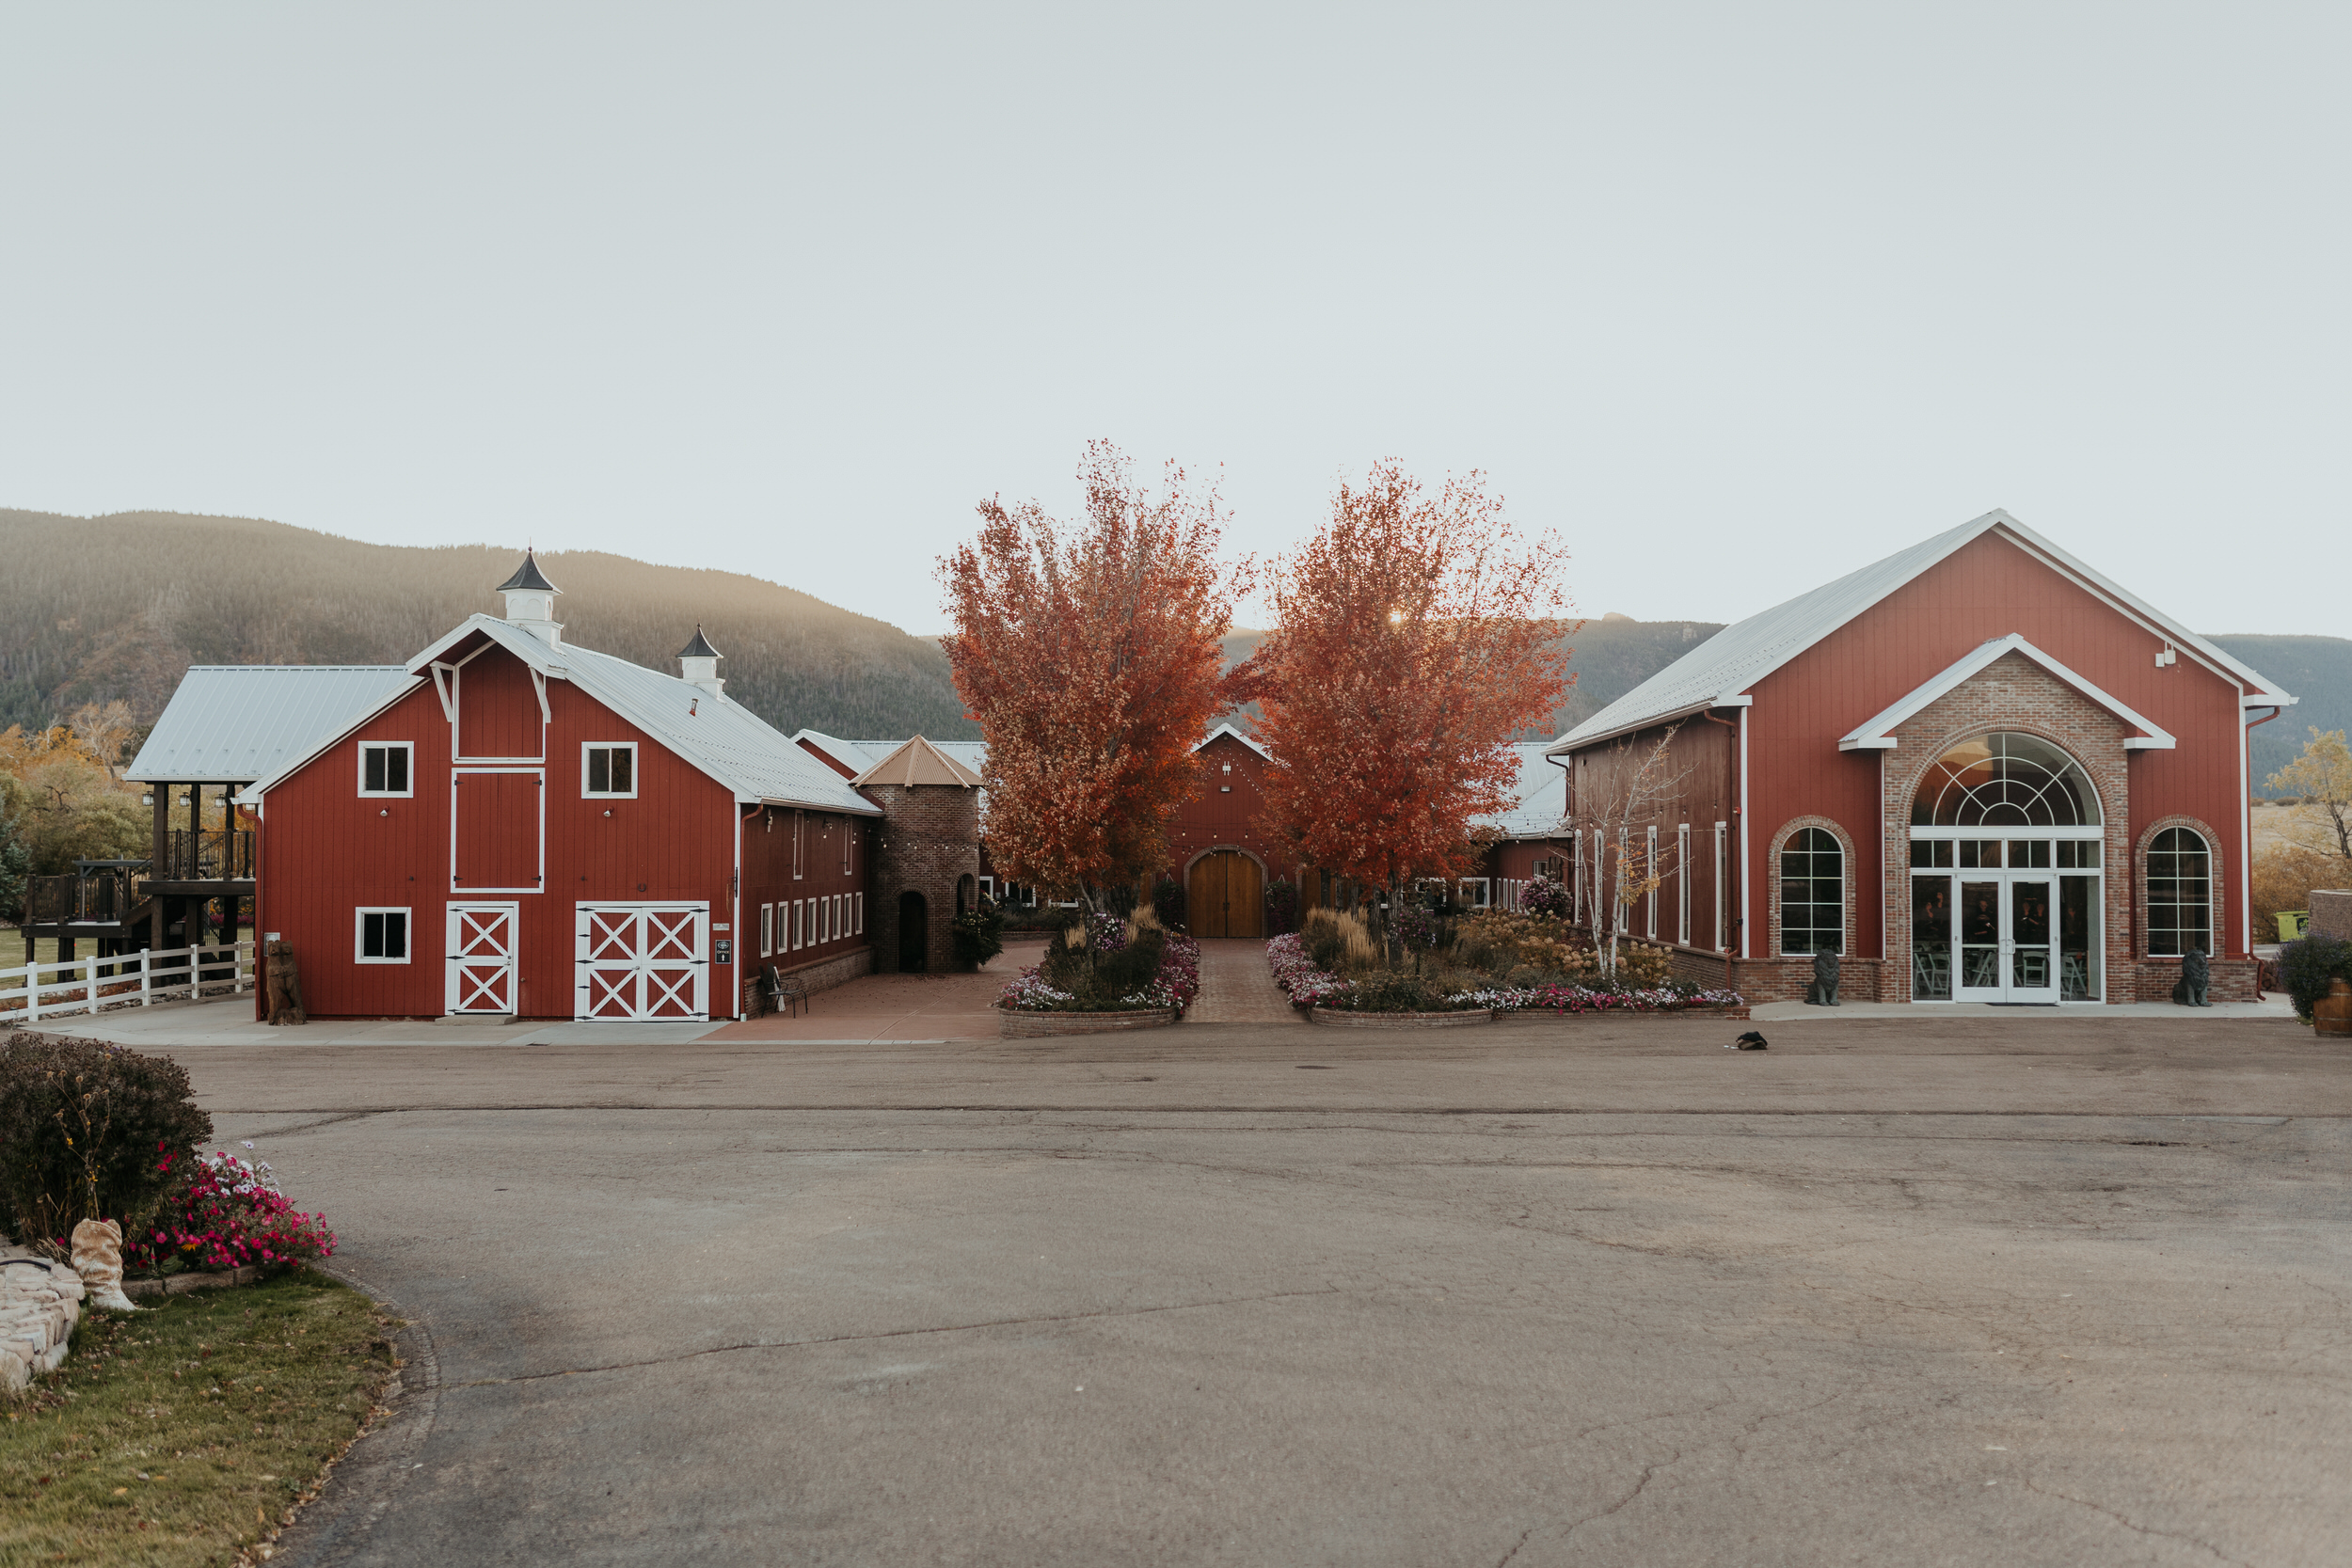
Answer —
212 854
96 896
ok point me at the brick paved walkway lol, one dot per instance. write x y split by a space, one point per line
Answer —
1237 988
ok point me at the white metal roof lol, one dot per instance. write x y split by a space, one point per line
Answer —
1542 795
717 734
233 723
1721 670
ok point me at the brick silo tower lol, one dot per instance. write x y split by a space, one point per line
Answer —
926 857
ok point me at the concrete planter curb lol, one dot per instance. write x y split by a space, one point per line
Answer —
1343 1017
1545 1015
1014 1025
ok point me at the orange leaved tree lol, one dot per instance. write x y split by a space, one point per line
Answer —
1415 637
1089 654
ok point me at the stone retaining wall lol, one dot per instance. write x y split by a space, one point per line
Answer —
41 1301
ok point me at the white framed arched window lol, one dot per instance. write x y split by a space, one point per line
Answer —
1812 894
2180 893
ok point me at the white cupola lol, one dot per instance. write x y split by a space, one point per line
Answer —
698 662
531 601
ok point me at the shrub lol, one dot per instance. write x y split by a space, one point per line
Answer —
1642 967
1337 941
1282 906
1547 898
1397 991
2305 968
230 1214
980 934
90 1131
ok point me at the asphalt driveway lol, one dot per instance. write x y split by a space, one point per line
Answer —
2068 1290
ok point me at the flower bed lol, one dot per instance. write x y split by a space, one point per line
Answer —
1309 986
1175 986
229 1215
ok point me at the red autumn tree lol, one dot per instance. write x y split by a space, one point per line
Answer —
1415 637
1088 652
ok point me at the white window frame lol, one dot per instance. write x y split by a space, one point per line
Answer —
800 924
1682 885
799 825
1721 829
988 889
408 746
1483 897
1649 874
860 914
588 794
767 930
359 932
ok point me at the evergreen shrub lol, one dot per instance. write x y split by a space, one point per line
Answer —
2305 967
90 1131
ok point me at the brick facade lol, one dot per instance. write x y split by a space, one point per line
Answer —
2015 694
929 844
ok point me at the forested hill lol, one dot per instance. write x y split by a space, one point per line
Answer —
119 606
1609 657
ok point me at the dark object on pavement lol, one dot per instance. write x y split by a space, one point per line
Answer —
1824 991
2195 975
1749 1041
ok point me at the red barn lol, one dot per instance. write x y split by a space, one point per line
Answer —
522 827
1976 770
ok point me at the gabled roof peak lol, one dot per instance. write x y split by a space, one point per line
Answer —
919 761
527 579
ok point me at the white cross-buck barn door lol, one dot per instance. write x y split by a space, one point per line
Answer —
481 956
643 961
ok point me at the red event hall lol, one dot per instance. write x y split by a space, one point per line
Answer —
523 827
1978 770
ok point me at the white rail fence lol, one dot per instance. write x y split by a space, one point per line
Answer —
68 986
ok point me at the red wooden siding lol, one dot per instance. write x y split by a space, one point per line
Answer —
497 706
1224 813
1987 589
820 902
325 853
496 845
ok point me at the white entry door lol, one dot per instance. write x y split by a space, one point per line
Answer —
480 962
643 961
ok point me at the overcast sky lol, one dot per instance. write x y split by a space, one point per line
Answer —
1733 297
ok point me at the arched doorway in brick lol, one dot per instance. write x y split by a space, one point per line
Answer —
1225 895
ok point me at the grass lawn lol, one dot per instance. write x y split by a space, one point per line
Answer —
187 1432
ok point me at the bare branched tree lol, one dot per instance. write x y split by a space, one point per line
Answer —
1611 795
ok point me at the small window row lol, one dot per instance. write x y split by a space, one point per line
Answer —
608 770
799 923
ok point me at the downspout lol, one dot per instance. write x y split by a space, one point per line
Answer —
735 916
2246 834
1738 856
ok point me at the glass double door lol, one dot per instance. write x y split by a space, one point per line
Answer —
2002 946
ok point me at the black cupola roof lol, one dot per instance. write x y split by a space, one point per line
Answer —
527 579
700 647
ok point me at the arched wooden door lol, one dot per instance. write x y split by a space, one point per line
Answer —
1226 896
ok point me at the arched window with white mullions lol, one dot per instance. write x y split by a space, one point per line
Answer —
1812 894
2180 893
2006 884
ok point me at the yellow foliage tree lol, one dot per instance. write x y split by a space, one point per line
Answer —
2323 777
